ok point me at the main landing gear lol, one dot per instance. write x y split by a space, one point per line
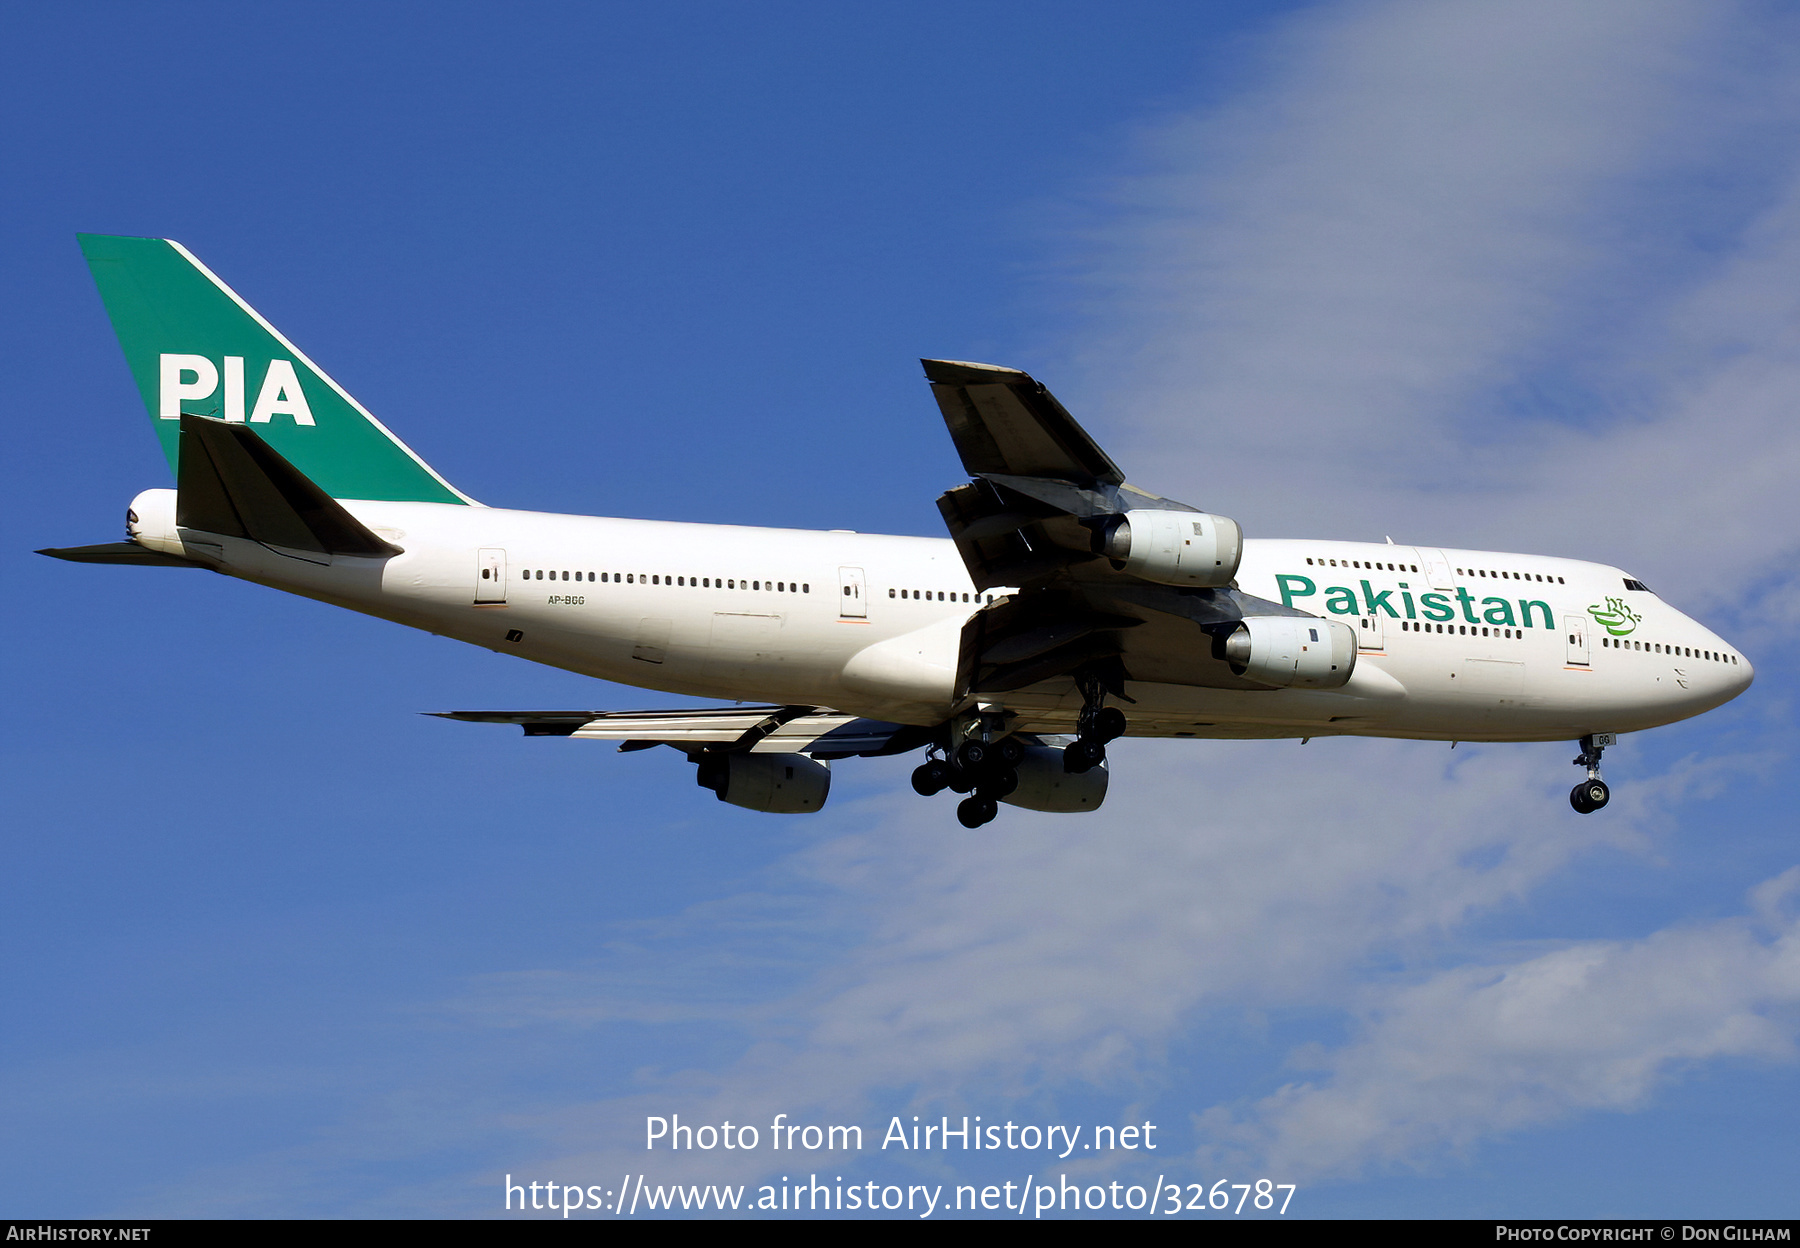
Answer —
1096 725
982 761
985 770
1591 794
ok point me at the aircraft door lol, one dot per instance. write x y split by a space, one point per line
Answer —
490 576
1436 567
1575 633
853 603
1371 636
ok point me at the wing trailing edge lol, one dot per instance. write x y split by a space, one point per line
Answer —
818 731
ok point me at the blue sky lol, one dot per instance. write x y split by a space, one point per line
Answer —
1511 276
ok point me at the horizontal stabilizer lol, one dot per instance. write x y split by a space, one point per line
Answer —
119 552
811 730
233 483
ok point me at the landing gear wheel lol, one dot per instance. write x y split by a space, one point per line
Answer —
1082 755
972 812
1589 796
972 756
1109 724
931 777
1011 750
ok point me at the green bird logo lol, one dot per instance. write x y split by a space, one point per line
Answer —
1615 617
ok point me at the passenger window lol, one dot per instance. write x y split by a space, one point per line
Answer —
890 593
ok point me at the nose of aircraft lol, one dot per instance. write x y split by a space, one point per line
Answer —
1741 675
1721 678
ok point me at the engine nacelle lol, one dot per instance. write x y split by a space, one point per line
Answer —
1291 651
780 784
1044 785
1175 547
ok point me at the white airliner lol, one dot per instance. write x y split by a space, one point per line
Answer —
1067 608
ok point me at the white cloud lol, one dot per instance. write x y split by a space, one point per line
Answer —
1043 953
1436 274
1332 299
1479 1050
1428 273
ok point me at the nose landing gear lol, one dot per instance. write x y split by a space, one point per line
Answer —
1591 794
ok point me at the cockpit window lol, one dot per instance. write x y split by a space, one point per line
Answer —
1638 585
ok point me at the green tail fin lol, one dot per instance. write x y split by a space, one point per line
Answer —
195 347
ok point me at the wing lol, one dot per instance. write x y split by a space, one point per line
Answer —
1042 486
1002 421
814 730
1037 517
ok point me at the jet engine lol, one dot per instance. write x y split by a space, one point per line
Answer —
1299 652
781 784
1174 547
1045 785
